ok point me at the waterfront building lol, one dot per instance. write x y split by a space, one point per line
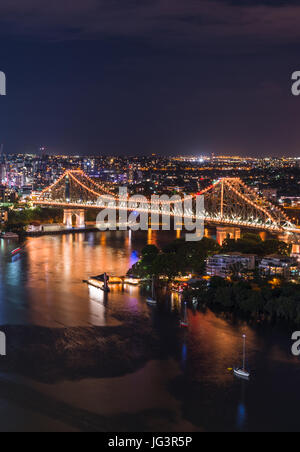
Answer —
221 264
279 266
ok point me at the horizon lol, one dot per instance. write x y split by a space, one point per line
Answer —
171 156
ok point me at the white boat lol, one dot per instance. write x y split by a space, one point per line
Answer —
242 372
10 235
151 300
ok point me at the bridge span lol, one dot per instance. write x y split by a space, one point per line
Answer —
228 202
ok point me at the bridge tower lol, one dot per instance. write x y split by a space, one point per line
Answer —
296 252
67 188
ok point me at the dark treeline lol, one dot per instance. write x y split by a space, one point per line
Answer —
262 298
253 244
19 218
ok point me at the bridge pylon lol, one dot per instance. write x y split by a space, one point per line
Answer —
79 215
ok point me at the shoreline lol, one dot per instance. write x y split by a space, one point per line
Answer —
61 232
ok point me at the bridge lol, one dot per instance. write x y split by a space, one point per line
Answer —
228 202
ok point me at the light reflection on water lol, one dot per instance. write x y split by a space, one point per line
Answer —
242 409
44 286
97 304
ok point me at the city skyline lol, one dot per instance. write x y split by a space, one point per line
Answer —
150 77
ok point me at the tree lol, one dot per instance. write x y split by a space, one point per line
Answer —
273 246
167 265
174 247
192 255
217 282
236 270
253 244
150 252
251 237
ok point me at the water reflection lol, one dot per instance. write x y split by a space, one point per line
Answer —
184 354
98 303
44 286
242 410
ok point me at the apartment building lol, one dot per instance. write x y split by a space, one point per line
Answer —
221 264
279 266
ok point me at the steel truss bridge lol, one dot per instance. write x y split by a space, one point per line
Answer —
227 202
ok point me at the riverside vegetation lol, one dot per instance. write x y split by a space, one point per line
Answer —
245 292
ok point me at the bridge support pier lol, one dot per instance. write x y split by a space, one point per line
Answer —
224 232
296 252
69 215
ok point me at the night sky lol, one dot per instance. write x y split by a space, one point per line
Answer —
150 76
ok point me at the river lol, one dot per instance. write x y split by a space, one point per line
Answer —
187 388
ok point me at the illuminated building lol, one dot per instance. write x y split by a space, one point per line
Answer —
221 264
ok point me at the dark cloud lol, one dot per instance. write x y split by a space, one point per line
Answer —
270 3
159 21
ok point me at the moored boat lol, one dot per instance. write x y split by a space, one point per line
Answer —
151 300
9 236
242 372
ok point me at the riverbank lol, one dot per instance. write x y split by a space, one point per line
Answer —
61 232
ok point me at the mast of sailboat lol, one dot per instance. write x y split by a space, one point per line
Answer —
244 352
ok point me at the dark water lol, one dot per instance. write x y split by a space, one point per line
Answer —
189 389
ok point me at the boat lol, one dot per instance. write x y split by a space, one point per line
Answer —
184 323
151 300
9 236
132 281
16 252
242 372
195 302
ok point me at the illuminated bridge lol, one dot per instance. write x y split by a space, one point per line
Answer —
228 202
